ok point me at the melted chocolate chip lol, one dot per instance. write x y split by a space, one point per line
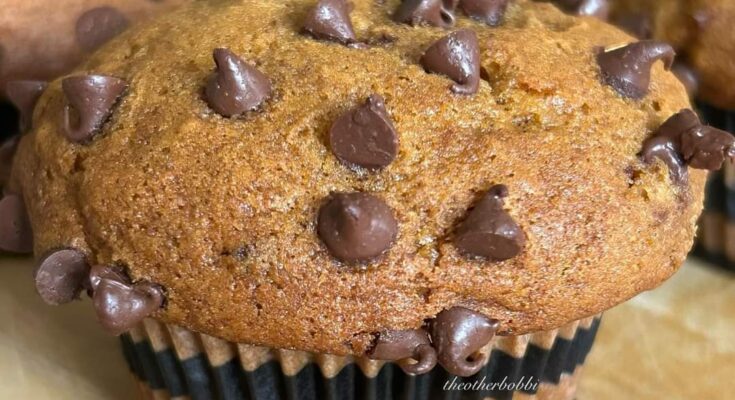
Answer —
330 20
687 76
458 334
666 150
120 304
236 87
404 346
707 148
98 26
7 151
24 95
16 235
457 56
489 231
627 69
426 12
357 227
491 12
61 276
678 123
683 140
365 136
92 98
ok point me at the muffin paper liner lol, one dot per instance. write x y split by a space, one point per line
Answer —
170 362
716 236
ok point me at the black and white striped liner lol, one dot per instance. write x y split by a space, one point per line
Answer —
173 363
716 237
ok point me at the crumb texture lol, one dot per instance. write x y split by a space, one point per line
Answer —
222 212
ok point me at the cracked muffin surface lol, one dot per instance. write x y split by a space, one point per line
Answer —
222 212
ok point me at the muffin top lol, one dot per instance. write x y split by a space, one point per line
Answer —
311 178
701 32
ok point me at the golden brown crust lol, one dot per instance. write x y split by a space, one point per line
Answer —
222 212
701 32
38 39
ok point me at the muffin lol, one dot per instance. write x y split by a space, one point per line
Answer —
43 39
699 30
379 198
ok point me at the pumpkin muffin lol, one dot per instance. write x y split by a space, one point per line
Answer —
421 182
43 39
701 33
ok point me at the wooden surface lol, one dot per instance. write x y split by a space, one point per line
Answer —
677 342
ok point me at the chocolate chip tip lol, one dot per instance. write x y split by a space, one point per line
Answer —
60 276
627 69
489 233
456 56
357 228
438 13
235 87
119 303
93 99
458 334
330 20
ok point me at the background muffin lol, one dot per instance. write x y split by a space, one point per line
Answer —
701 32
42 39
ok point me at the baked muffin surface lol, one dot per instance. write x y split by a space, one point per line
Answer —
222 212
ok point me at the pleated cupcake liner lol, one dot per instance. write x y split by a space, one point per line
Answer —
716 236
170 362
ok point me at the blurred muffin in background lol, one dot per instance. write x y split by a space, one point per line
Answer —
42 39
700 31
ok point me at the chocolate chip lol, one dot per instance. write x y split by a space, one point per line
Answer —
426 12
707 148
120 304
16 235
92 98
7 151
627 69
457 56
357 227
490 12
683 140
235 87
458 334
687 76
330 20
489 231
666 150
593 8
700 146
98 26
61 276
365 136
405 347
24 95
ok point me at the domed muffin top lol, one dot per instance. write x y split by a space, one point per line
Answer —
320 176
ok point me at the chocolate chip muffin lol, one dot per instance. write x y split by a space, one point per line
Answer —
699 30
390 180
43 39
